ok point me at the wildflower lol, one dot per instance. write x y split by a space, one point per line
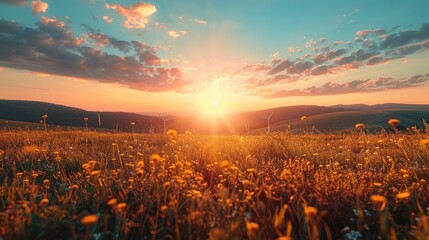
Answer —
44 202
89 220
164 208
245 182
140 172
304 118
424 142
140 163
310 211
121 206
393 122
360 126
378 198
74 187
133 123
112 202
171 132
224 164
95 173
154 158
197 193
252 227
403 195
19 174
188 133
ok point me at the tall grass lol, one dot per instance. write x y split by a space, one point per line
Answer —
73 184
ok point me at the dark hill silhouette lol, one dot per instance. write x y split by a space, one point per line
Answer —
333 118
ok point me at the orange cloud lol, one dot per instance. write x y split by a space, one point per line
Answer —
107 19
39 7
39 74
137 16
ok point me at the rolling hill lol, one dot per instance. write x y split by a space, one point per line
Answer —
324 119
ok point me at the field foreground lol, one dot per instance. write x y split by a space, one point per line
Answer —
88 185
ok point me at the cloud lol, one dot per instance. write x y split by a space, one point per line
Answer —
356 86
326 58
281 66
199 21
300 67
1 69
405 37
38 7
52 48
137 16
365 33
15 2
107 19
176 34
102 40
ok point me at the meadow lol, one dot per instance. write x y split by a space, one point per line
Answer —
81 184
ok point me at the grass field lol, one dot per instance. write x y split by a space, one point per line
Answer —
89 185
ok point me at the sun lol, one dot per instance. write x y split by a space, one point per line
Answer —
215 103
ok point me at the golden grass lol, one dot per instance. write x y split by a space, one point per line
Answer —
278 186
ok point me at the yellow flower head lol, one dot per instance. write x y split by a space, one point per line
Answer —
303 118
403 195
310 211
378 198
44 202
154 158
252 227
89 220
424 142
393 122
359 125
112 202
171 132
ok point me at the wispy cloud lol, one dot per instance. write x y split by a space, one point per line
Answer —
199 21
52 48
137 16
176 34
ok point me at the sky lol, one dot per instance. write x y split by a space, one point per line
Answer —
183 56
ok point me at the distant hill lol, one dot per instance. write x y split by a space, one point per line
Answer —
32 111
325 119
385 106
342 121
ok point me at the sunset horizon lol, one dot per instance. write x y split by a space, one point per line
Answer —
161 57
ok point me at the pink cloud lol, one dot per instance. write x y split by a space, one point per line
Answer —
364 33
107 19
1 69
137 16
38 7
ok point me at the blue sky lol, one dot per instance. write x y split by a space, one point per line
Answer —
248 54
